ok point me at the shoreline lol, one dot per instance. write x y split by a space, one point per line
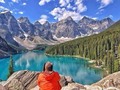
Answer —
90 62
76 56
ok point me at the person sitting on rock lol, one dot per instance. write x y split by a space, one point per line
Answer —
48 79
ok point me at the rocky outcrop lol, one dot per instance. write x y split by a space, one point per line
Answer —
21 80
26 80
111 81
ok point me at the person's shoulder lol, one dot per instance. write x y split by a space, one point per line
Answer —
57 76
56 73
41 74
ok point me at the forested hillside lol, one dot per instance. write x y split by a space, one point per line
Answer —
103 47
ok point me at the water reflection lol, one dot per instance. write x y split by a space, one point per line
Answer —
76 68
27 60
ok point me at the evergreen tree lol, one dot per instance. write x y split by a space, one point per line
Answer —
11 67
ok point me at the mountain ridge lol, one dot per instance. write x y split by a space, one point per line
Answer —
21 30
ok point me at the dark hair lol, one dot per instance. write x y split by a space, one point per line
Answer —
50 68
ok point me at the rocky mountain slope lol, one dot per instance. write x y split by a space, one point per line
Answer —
85 27
22 33
5 49
91 26
26 80
67 28
9 27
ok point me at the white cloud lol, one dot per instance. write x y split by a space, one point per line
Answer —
11 11
81 7
111 16
67 8
105 3
62 13
24 4
100 11
95 18
15 1
3 8
78 1
20 12
64 3
42 2
43 19
2 1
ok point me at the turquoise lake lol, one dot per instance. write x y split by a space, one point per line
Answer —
77 68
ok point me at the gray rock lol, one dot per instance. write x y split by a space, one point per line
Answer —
15 84
69 79
112 80
22 80
88 87
74 86
63 81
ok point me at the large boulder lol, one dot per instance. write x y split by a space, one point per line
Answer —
111 81
22 80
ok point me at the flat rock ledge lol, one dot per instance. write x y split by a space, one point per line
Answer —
27 80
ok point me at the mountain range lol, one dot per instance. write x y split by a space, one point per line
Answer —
22 34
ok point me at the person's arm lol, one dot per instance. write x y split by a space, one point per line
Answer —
58 79
57 76
39 80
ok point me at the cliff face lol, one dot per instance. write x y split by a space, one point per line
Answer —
26 80
5 48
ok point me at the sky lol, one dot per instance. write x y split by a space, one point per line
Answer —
56 10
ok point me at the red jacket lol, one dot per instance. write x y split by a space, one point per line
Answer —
49 81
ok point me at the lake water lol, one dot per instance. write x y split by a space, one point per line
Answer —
77 68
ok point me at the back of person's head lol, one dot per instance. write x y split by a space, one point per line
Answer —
48 66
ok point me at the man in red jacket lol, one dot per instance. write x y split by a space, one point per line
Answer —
49 79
